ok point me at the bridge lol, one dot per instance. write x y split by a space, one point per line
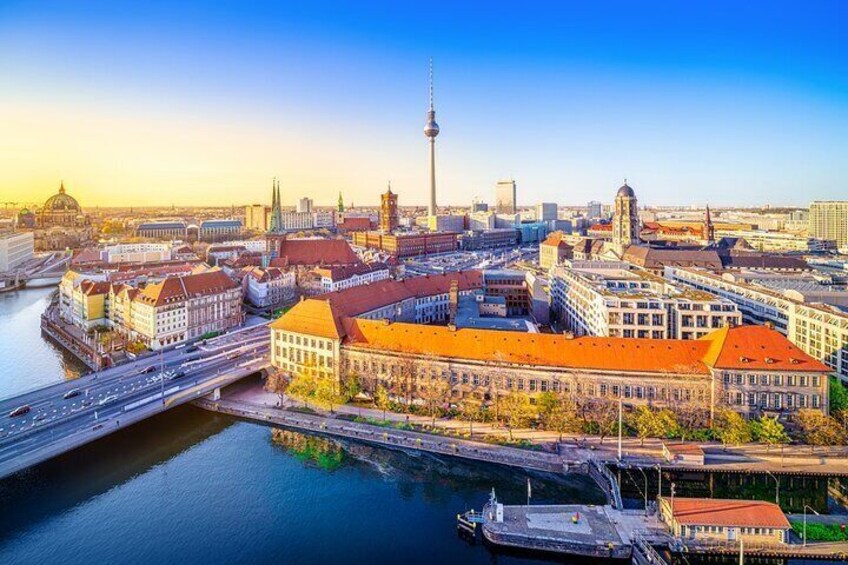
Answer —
47 269
58 418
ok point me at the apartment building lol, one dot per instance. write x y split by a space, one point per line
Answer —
611 298
816 327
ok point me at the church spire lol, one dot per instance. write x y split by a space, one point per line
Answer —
276 222
709 229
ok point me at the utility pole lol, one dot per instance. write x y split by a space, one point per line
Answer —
162 374
619 425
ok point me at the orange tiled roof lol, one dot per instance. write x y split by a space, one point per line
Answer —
550 350
555 239
311 317
733 513
601 227
758 348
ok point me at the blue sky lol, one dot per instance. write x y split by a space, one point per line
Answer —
161 102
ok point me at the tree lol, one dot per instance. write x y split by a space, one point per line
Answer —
818 429
603 414
731 428
558 412
769 432
838 396
435 395
382 400
470 412
351 386
650 422
302 386
326 393
518 409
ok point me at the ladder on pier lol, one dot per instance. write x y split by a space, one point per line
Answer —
643 552
607 481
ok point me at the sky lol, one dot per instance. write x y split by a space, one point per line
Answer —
203 103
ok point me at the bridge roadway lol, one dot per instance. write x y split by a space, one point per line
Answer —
101 403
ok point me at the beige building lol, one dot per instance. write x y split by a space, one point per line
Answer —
818 329
554 251
612 298
829 220
715 520
398 333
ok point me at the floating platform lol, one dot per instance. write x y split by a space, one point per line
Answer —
567 529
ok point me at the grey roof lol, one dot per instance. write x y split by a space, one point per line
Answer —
625 190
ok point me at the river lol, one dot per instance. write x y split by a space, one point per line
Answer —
190 486
196 487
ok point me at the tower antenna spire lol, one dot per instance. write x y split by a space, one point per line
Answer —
431 84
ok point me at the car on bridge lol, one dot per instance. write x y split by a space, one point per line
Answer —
72 393
20 411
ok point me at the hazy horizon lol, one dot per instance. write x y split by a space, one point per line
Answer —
191 104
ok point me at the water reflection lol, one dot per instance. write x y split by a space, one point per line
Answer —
28 360
78 476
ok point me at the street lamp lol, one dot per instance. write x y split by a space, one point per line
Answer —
776 487
805 522
659 475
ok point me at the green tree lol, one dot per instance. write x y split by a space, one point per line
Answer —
351 386
838 396
818 429
769 431
302 386
646 423
731 428
326 393
558 412
518 409
382 399
469 410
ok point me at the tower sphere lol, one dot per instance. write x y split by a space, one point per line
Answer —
432 128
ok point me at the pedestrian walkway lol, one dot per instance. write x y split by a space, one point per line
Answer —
576 448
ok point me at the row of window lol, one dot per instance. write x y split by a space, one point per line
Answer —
774 380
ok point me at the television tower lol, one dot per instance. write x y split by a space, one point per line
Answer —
431 130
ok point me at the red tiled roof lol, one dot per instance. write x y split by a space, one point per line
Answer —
690 448
361 299
90 288
175 289
310 252
758 348
355 224
729 513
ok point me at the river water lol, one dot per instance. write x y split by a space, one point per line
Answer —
196 487
191 486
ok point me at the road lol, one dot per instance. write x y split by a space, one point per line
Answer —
68 414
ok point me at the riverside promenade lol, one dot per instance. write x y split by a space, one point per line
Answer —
388 437
629 526
575 450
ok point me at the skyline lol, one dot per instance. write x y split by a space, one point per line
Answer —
189 106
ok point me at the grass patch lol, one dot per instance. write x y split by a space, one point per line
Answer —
820 532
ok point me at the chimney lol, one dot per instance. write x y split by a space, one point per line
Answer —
568 335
